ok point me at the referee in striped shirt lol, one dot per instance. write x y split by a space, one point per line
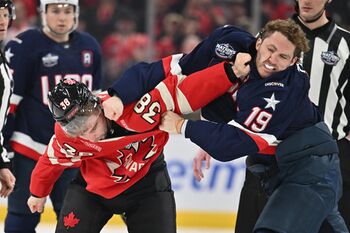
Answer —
7 179
328 63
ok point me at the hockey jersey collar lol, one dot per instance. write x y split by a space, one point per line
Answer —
322 32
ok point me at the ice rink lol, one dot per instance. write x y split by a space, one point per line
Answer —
45 228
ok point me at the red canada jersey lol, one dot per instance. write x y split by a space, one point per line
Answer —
112 165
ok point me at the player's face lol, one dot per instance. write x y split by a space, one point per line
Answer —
95 128
275 53
4 22
60 18
310 10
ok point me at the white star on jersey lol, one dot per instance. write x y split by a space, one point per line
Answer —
8 55
271 102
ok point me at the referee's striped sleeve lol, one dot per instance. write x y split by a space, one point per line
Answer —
6 88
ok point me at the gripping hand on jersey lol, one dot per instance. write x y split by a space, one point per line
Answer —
36 204
171 122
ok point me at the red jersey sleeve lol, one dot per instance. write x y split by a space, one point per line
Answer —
179 93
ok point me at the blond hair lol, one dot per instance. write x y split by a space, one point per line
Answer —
289 29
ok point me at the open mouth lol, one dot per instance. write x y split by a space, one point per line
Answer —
269 67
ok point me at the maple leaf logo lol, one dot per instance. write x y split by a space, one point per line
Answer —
70 220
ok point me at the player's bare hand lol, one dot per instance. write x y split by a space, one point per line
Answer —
36 204
197 164
241 66
171 122
113 108
7 180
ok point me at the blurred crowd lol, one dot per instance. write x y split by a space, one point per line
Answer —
120 26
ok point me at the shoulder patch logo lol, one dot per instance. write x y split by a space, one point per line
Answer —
224 51
50 60
330 58
86 58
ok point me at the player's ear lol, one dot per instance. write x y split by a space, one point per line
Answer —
258 43
294 60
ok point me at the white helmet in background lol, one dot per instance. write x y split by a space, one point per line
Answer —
75 3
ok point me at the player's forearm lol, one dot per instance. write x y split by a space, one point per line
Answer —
200 88
222 141
43 178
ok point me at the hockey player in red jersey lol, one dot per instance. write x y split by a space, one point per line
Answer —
122 169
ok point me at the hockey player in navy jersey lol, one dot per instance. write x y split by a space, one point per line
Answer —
329 71
39 58
271 108
302 175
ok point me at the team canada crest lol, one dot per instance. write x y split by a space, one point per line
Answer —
330 58
131 159
86 58
50 60
224 51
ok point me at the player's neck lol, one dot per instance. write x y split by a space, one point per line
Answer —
316 24
59 38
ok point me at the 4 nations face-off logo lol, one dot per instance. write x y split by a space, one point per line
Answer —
330 58
225 51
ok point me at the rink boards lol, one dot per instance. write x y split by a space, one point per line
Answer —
211 203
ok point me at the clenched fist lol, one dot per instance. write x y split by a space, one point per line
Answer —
241 66
36 204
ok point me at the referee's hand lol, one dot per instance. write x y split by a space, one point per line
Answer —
7 181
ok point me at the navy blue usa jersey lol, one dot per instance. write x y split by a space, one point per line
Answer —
38 63
249 121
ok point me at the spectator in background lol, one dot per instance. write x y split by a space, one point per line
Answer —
208 14
39 58
171 34
189 43
117 48
236 14
101 19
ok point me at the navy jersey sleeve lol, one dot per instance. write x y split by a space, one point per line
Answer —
137 80
18 55
269 111
221 45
